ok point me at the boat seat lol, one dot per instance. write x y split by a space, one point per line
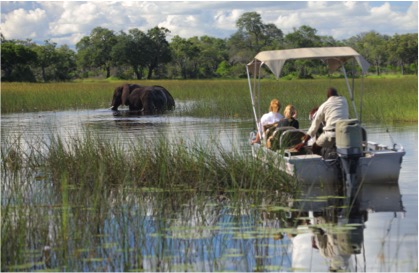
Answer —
269 129
276 141
290 138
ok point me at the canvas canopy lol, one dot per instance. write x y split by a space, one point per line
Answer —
334 57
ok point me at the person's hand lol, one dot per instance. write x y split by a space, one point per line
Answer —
303 143
299 146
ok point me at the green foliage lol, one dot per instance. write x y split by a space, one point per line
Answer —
15 57
223 69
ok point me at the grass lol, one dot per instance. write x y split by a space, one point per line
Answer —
56 192
89 159
384 99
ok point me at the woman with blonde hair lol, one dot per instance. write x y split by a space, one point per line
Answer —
290 114
269 119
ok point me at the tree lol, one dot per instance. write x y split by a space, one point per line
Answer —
158 47
212 51
96 49
403 49
46 57
252 37
304 36
372 46
255 33
183 52
65 65
13 56
132 49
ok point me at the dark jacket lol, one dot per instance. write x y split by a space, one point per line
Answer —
289 122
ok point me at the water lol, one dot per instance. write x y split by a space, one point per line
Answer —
153 230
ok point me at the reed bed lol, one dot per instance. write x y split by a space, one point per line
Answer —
160 164
389 100
80 176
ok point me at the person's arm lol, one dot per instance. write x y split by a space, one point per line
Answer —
257 139
303 143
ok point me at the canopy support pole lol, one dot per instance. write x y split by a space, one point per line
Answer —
349 90
252 97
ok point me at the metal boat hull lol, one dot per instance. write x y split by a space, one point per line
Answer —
373 167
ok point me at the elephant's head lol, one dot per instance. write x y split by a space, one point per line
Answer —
120 95
117 98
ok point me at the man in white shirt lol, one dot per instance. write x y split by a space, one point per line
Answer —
333 109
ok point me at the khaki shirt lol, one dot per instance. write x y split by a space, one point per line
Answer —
332 110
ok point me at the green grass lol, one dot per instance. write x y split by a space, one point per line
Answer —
384 99
85 160
74 182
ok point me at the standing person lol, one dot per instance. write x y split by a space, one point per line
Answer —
273 116
333 109
290 114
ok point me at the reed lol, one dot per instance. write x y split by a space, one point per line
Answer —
92 162
389 100
81 175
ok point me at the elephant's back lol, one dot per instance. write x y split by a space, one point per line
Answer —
170 99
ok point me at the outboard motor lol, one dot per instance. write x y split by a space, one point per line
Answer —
349 150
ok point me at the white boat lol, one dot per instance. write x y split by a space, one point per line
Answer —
359 159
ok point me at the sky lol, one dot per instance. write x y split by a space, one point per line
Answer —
66 22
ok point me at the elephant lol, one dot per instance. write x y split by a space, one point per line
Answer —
143 99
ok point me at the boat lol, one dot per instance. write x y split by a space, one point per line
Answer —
358 161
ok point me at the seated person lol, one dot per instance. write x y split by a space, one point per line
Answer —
269 118
289 120
333 109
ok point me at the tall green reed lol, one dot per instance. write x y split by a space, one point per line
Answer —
383 99
80 175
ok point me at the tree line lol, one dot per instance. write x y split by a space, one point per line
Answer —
146 55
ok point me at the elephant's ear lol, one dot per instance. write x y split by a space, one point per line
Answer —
125 93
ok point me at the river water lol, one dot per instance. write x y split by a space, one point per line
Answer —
131 238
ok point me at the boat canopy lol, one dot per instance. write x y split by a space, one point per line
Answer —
334 57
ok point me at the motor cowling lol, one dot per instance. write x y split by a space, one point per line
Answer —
348 138
349 149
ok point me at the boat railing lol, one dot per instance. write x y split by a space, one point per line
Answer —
284 138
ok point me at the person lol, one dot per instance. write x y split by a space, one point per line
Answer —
311 116
333 109
290 114
268 119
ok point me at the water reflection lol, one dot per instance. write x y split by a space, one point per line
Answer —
336 231
129 228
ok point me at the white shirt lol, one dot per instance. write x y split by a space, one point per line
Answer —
332 110
269 118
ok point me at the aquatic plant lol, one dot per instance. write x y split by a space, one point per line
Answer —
387 100
83 177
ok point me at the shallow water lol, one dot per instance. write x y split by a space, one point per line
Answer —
137 229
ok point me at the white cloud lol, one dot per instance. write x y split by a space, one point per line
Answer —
227 19
68 21
24 24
